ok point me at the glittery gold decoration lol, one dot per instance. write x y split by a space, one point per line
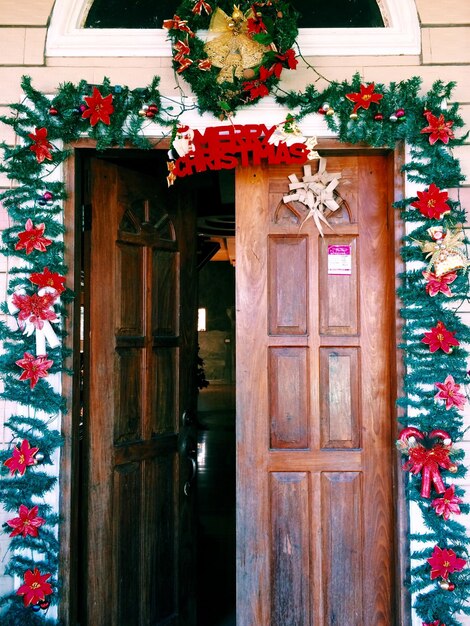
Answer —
234 50
446 254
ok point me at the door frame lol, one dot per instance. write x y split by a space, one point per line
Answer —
68 478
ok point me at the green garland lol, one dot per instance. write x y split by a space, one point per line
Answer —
222 99
123 119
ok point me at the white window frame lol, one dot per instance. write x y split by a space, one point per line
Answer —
67 38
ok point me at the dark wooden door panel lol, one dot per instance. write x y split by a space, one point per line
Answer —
315 513
141 348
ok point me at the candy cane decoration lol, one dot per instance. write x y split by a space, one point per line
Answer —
427 461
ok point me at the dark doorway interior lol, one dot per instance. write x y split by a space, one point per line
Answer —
216 448
216 404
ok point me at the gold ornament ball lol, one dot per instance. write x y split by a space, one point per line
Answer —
330 111
248 73
280 15
444 584
354 116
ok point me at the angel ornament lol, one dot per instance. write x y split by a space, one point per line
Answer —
233 50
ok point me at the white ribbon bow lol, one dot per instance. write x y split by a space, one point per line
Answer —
46 333
316 192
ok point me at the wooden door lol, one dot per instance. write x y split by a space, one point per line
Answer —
140 394
314 409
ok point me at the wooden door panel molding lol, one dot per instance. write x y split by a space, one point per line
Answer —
290 539
288 397
315 437
340 376
339 294
342 548
287 292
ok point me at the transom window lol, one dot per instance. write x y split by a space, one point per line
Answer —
133 28
150 14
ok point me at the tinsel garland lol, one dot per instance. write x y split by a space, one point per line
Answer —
35 199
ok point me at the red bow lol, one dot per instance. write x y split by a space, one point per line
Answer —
178 24
182 49
428 461
200 5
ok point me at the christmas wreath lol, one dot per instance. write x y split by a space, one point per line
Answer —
246 49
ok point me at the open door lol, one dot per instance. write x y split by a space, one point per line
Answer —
315 419
139 445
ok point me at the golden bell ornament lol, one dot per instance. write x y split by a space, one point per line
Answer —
233 50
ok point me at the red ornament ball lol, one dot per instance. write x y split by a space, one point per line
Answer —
451 586
48 196
378 117
322 111
53 111
400 113
44 604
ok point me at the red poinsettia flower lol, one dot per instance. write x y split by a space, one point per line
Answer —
200 6
32 238
99 108
449 391
432 203
41 146
258 87
447 504
440 338
439 284
438 128
284 60
48 279
35 309
365 97
35 587
255 24
443 562
27 523
34 367
21 458
178 24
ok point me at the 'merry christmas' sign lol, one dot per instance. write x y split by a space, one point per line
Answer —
225 147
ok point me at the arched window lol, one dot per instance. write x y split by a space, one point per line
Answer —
150 14
330 28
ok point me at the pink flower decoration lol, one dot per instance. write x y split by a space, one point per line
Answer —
439 284
449 391
447 504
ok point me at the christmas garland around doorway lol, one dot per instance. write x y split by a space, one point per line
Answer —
432 288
